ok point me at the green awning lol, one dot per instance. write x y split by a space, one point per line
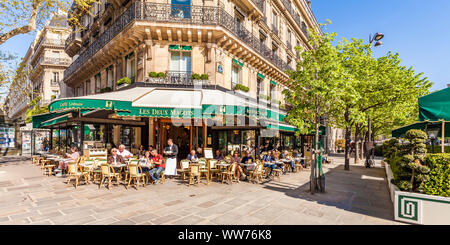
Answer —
162 112
237 62
273 83
39 119
180 47
261 75
435 106
91 104
424 126
55 121
282 127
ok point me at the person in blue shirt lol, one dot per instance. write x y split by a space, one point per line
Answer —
269 158
192 156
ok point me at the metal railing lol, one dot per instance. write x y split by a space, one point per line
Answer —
288 5
177 78
189 14
259 4
52 61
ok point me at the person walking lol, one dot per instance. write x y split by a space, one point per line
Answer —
171 153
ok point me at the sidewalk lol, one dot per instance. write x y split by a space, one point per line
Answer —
359 196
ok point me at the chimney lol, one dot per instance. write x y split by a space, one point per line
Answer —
448 85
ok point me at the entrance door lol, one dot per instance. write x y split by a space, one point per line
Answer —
180 136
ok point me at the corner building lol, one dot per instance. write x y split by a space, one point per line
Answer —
207 73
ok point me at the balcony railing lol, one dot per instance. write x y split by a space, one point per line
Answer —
53 61
287 4
155 12
177 78
259 4
72 37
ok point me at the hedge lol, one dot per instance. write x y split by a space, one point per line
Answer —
438 182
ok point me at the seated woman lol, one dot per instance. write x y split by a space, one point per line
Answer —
269 158
71 157
192 156
145 160
115 158
236 160
141 151
285 155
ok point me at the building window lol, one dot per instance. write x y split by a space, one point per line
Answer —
275 22
88 87
262 39
131 66
181 9
97 83
180 62
273 92
259 86
238 20
110 76
235 75
55 79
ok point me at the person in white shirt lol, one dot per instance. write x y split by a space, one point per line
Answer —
124 152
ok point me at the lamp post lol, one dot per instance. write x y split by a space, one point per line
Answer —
432 134
370 146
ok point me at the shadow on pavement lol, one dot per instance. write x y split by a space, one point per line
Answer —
360 190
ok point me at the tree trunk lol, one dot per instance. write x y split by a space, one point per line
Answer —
348 135
363 138
357 140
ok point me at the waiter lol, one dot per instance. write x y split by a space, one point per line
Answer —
171 153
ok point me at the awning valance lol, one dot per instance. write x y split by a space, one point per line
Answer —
435 106
424 126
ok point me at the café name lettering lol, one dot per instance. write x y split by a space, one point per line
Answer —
165 112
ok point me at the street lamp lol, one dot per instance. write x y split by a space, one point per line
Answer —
377 37
432 134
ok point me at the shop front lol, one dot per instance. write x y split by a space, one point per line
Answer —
193 119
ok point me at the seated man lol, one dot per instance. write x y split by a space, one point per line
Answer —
269 159
71 157
124 152
192 156
115 158
160 166
219 155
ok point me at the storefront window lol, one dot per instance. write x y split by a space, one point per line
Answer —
127 136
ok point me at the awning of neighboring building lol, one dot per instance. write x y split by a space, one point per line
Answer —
435 106
38 120
400 132
282 127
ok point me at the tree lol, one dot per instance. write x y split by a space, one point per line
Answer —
373 88
25 16
313 88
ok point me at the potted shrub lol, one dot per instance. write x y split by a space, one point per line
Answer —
123 82
242 89
155 77
264 98
200 79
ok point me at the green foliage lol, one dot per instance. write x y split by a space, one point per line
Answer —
407 161
437 181
161 75
124 80
153 74
204 77
53 97
437 149
241 87
196 76
105 89
264 97
34 109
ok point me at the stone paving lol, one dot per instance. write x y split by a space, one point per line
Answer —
356 197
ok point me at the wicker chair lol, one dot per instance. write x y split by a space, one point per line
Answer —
108 172
184 168
135 175
213 168
194 171
257 174
230 174
73 171
204 169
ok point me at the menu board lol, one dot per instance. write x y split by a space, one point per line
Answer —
209 153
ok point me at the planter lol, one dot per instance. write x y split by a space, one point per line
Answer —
157 80
417 208
241 92
200 82
123 85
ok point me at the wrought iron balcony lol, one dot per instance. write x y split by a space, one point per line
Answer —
74 36
287 4
52 61
188 14
259 4
177 78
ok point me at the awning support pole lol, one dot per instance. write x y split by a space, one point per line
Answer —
443 137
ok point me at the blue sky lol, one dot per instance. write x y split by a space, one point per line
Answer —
418 30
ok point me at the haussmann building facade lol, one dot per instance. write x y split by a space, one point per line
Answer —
208 74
